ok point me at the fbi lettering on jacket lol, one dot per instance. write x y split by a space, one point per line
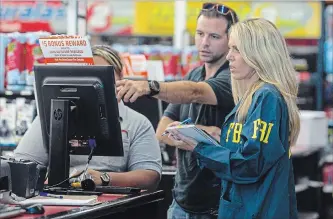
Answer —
261 131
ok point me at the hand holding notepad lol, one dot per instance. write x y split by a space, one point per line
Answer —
194 132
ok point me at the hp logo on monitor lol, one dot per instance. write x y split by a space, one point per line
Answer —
57 114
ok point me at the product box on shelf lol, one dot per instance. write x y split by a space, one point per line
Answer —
33 55
16 116
313 129
176 63
135 65
7 122
329 114
4 40
19 52
14 70
25 114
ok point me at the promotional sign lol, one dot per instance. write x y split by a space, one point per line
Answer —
111 17
294 19
25 16
66 50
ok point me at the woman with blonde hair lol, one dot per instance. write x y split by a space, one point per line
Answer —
253 159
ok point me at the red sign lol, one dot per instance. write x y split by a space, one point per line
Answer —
99 17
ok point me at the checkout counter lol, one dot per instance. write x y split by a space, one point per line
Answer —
141 205
144 205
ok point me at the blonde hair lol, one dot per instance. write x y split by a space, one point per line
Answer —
264 49
111 56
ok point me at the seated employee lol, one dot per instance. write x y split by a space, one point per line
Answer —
141 164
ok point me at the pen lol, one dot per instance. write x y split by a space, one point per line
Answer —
50 195
186 121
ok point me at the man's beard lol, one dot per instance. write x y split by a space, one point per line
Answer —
216 59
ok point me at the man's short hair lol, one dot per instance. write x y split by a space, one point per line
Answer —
215 14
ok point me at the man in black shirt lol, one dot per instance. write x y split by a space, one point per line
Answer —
204 96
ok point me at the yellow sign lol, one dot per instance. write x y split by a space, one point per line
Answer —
294 19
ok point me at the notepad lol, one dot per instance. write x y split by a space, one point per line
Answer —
196 133
67 200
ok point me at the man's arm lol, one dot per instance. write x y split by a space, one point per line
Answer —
172 92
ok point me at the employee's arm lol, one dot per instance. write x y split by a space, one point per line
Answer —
172 92
144 179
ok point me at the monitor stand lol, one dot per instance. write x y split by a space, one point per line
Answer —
59 143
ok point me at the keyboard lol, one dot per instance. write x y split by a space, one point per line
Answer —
7 211
117 190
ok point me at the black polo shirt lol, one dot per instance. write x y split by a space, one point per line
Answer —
198 190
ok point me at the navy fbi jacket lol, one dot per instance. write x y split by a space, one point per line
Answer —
254 162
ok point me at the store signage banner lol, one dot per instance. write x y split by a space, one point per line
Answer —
294 19
28 16
66 50
103 16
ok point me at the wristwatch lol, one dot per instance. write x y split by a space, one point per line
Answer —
105 177
154 87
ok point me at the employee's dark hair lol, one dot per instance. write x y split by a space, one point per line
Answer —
110 55
231 18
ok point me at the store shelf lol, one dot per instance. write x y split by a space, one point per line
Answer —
299 151
15 94
328 189
306 184
7 147
326 159
301 187
308 215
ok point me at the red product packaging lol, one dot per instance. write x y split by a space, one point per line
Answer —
328 174
191 60
171 63
15 64
33 54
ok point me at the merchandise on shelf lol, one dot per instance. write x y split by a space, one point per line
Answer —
329 113
25 113
329 105
191 59
328 92
135 65
19 52
175 63
3 45
16 116
7 122
328 174
33 55
15 69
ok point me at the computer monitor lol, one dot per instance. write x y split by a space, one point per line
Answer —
78 108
